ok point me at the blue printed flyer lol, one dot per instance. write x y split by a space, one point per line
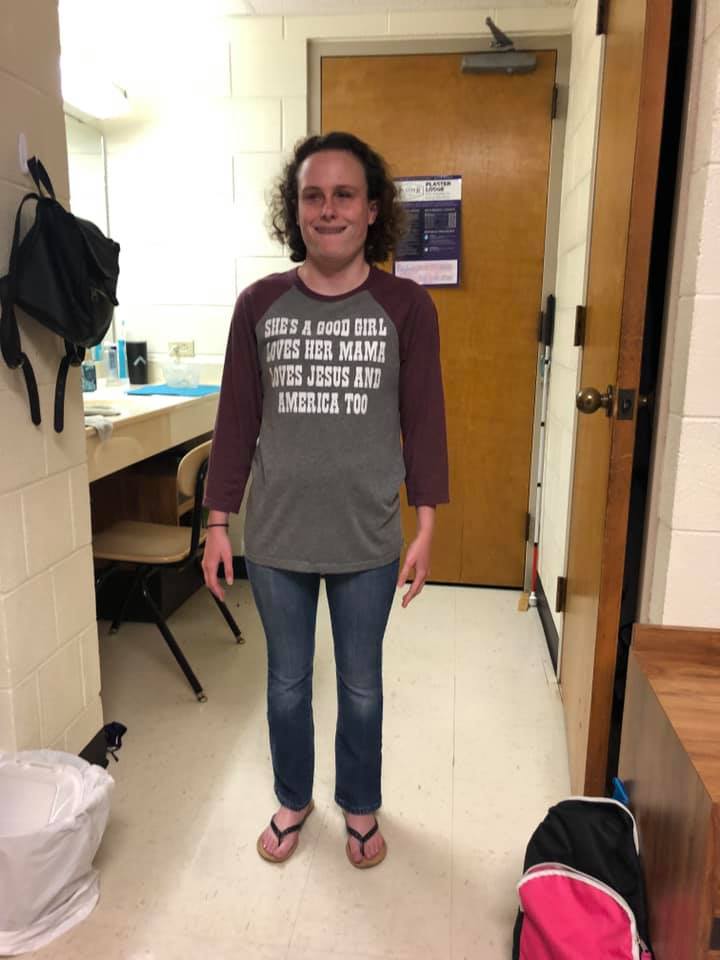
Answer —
429 252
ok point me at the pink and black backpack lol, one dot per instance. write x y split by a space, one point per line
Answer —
582 893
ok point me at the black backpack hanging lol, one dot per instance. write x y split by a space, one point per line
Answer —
63 273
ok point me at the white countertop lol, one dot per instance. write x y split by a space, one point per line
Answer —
144 426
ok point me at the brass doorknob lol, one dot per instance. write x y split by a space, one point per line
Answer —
588 400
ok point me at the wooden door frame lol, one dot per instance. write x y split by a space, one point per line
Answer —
634 283
561 44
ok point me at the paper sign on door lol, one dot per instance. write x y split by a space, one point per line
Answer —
429 253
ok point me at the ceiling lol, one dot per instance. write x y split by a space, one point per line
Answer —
136 25
77 9
83 19
305 7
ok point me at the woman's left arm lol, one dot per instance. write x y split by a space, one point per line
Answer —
418 554
422 420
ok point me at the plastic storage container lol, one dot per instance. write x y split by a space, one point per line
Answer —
179 374
53 811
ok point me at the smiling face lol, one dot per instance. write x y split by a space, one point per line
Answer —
333 208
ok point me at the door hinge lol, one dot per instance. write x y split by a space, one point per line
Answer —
547 331
554 104
560 594
580 318
602 17
528 520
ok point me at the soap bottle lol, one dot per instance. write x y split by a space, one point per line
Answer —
111 362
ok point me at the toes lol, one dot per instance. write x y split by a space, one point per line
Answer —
270 844
372 849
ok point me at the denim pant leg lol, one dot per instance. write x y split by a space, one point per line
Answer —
287 603
359 609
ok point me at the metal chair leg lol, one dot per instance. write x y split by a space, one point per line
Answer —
102 578
171 641
229 619
120 615
222 607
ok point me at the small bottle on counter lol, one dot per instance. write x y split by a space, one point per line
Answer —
88 376
111 361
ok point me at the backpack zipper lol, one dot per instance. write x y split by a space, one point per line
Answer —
562 870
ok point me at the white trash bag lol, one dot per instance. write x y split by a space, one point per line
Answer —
53 811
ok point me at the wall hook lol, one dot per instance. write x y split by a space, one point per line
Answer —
23 154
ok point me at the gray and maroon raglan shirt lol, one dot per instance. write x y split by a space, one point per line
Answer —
330 402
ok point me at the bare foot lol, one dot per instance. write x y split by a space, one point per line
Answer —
284 818
363 822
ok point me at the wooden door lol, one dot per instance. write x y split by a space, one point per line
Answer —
427 118
633 93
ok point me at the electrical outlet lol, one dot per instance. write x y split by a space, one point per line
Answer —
181 348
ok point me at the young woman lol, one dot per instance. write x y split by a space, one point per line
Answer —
331 397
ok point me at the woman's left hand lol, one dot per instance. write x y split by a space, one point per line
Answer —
417 557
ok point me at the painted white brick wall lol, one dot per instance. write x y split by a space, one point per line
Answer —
49 667
575 213
682 565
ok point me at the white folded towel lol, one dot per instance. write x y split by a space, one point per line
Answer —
103 426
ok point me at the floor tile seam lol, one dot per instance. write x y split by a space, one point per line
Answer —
319 954
301 899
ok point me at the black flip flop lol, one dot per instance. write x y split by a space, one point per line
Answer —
365 863
281 834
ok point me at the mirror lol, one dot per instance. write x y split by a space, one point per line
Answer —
86 170
87 177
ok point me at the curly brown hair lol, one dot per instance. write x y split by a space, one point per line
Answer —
383 235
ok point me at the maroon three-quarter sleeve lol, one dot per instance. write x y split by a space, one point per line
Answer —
422 405
237 425
239 414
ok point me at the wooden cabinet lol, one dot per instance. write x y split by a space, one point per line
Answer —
670 762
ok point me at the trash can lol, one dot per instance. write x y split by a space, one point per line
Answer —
53 811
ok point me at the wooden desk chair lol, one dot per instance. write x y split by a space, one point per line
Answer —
150 546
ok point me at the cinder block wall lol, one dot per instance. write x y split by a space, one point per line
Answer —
49 666
682 564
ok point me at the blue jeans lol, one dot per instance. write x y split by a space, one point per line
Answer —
359 609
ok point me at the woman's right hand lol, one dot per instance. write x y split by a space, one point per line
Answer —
218 550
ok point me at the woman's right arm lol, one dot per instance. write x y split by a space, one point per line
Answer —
218 550
237 427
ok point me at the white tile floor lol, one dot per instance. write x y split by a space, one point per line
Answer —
474 753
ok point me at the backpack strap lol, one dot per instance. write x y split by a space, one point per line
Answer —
74 356
9 334
40 176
